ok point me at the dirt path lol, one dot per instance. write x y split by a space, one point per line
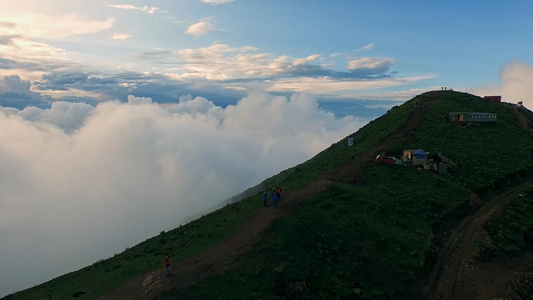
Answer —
522 120
456 275
219 258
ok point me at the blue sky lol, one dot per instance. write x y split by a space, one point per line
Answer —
380 50
122 119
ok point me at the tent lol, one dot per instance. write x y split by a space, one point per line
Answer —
416 157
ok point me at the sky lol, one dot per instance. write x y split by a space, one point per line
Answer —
122 119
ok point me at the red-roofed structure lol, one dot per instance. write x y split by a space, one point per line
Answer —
495 99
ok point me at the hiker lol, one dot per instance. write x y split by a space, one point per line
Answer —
265 199
275 198
167 261
279 193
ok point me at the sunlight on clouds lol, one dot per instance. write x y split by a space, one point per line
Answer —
324 85
146 9
397 95
516 84
119 36
39 25
308 59
370 63
220 62
200 28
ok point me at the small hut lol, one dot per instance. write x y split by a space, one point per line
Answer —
495 99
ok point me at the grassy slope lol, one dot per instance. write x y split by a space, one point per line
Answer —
376 236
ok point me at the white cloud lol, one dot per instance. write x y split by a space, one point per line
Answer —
385 106
369 46
37 25
370 63
200 28
145 9
400 96
220 62
516 84
306 60
119 36
324 85
67 116
79 183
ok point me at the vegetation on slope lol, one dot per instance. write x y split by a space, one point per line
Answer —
506 228
373 239
363 239
182 242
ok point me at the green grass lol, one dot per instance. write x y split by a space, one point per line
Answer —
486 153
340 153
367 237
182 242
506 228
376 237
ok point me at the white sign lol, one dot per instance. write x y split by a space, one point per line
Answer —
350 142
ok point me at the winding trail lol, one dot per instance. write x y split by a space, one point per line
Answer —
456 274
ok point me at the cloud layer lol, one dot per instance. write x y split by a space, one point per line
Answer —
516 84
79 183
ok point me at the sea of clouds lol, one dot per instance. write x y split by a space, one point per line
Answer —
79 183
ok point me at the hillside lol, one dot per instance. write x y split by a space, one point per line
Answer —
349 228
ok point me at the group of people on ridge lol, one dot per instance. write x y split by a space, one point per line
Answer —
276 196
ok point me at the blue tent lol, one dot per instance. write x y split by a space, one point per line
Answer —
415 156
419 154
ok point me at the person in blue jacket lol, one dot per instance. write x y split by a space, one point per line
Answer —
275 198
265 199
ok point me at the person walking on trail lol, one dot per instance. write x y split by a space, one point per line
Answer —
279 193
167 261
265 203
275 198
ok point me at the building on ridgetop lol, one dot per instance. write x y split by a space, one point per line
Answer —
472 117
495 99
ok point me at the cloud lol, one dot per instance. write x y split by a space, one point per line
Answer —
8 39
221 62
516 84
15 92
200 28
330 86
384 106
145 9
38 25
80 183
370 66
119 36
64 115
217 1
369 46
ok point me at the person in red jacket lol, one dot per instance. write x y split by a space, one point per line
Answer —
167 261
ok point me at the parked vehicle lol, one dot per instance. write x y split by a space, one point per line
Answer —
383 159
